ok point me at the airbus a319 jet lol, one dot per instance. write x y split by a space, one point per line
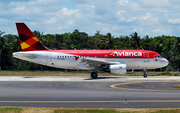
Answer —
111 61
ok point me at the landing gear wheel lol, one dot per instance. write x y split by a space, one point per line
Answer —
94 75
145 75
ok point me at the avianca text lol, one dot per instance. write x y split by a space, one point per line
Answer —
126 53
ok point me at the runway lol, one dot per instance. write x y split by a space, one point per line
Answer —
84 92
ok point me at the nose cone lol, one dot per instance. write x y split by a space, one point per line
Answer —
165 62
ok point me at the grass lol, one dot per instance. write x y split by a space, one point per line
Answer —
177 86
85 110
79 110
10 110
75 73
168 111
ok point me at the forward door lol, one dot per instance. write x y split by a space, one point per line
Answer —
146 57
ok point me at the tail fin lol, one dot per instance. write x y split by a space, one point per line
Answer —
28 41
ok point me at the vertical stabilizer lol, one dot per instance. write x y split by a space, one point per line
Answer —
28 41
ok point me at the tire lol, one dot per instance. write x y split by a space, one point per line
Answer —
145 75
94 75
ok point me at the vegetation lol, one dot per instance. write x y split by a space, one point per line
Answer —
177 86
83 110
167 46
10 110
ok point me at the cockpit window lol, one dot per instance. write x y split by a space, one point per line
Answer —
157 56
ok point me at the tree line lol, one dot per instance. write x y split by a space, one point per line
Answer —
167 46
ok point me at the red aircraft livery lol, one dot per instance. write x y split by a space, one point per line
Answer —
111 61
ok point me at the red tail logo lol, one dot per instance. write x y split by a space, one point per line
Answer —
28 41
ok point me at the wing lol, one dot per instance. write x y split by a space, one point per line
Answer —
97 62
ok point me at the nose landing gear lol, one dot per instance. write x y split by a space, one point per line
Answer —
145 75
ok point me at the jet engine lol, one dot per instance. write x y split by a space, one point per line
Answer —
119 69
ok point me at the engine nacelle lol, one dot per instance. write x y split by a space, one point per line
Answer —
118 69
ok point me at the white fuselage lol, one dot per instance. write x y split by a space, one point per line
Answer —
68 61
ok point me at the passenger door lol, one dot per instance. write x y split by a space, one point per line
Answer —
146 57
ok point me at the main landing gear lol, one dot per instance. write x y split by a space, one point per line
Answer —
94 75
145 75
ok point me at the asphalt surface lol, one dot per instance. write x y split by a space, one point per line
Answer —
84 92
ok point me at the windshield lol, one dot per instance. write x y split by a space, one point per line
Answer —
157 56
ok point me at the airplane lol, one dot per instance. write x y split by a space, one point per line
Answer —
112 61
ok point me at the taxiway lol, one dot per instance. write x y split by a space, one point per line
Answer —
84 92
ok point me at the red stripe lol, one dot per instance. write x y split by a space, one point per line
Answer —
107 53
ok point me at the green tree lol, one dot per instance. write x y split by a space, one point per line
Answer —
108 41
135 40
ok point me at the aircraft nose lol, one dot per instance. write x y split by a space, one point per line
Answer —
165 62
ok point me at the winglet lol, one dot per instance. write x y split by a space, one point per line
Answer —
28 41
